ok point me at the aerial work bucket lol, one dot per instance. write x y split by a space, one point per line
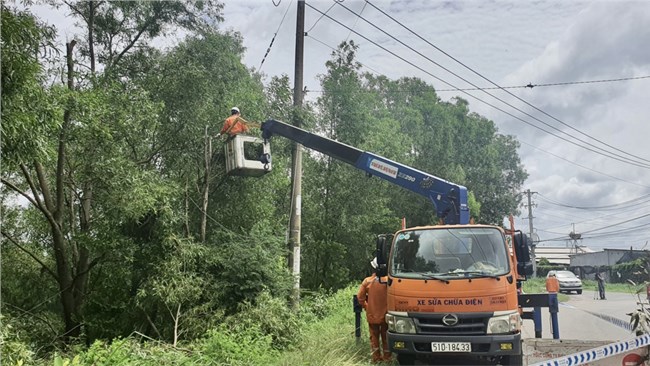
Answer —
247 156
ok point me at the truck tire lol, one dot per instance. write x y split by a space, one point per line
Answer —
579 292
405 359
512 360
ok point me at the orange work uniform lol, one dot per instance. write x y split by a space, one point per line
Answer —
234 125
373 296
552 284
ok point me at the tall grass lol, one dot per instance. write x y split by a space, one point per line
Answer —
330 341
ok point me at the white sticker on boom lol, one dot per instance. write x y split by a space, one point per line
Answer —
386 169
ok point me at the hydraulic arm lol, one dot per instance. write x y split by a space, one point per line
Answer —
449 199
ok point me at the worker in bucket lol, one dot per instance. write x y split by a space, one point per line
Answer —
235 124
372 296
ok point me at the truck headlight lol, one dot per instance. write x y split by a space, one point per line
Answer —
400 324
509 323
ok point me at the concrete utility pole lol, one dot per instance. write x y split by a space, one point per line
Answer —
296 158
530 228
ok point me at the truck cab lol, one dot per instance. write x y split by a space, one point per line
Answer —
452 290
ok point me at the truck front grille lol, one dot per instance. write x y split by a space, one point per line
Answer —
468 324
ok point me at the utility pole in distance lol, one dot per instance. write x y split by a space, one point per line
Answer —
530 228
296 158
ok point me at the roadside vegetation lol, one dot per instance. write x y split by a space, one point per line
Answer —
321 333
124 242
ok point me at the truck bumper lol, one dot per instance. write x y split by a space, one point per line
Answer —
484 345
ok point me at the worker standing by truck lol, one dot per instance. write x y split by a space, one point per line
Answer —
552 284
372 296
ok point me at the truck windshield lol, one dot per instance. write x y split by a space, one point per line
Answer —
449 253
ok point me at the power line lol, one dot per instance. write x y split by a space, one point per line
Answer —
321 17
582 166
356 20
614 206
276 32
476 98
616 224
601 152
598 218
338 52
605 227
496 85
527 86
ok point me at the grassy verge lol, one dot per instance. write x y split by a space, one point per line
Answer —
331 340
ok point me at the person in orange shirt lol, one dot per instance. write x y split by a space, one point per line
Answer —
552 284
372 296
234 125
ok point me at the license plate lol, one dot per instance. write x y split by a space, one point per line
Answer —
451 347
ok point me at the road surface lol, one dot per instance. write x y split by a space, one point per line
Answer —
584 318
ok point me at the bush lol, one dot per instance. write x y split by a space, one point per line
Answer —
224 346
272 316
13 351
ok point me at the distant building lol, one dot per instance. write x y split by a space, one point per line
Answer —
559 255
608 257
588 263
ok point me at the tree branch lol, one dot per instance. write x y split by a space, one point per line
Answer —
76 10
132 43
31 314
151 322
17 190
45 188
12 240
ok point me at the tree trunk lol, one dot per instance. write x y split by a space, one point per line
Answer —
206 183
66 282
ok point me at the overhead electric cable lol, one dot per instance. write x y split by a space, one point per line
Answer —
321 17
338 52
276 32
604 227
598 218
620 231
602 152
530 85
356 20
472 96
496 85
642 199
520 86
582 166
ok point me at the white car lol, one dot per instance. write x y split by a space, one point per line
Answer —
568 281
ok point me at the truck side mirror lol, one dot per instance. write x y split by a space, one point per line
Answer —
522 251
384 242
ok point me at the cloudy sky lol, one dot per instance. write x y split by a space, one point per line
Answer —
583 144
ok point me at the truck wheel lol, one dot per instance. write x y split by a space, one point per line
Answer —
405 359
579 292
512 360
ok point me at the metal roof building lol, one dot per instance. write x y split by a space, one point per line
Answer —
559 255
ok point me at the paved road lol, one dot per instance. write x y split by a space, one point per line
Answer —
584 318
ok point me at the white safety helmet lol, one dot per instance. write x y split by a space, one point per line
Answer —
373 263
234 110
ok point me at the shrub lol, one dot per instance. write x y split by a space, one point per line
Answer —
272 316
247 346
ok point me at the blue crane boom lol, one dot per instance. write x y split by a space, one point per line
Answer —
449 199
